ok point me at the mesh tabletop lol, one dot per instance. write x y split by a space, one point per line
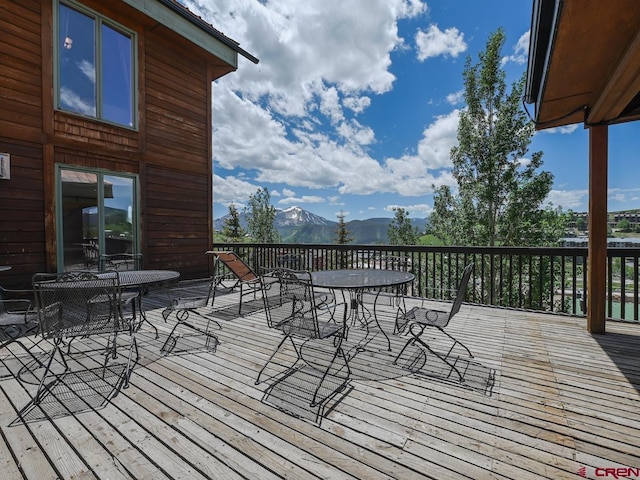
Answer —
146 277
360 278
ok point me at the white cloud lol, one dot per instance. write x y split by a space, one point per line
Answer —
302 199
352 131
456 97
232 190
412 8
565 130
357 104
433 150
623 195
420 210
289 119
568 199
520 50
285 120
330 104
285 36
435 42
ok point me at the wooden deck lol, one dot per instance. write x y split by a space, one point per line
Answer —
563 403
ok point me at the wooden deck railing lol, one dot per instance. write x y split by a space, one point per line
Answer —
546 279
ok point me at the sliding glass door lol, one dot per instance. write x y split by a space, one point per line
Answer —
97 213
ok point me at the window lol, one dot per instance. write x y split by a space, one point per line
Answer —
97 214
95 69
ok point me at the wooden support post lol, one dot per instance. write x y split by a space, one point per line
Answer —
597 262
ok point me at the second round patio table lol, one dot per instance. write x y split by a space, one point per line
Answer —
358 281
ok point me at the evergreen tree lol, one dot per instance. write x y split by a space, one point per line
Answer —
343 236
500 195
261 217
232 229
401 231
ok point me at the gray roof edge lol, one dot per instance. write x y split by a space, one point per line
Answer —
201 24
543 25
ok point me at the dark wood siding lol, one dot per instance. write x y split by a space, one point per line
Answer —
176 90
178 175
22 215
20 60
176 221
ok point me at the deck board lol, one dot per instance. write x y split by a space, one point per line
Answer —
562 399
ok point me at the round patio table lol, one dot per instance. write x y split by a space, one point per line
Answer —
145 278
357 281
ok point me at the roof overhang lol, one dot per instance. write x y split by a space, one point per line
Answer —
176 17
584 62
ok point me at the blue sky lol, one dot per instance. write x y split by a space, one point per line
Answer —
354 105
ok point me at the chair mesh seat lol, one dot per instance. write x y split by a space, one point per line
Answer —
426 316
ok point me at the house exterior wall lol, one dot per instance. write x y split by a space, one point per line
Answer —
171 151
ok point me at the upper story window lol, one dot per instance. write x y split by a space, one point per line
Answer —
95 67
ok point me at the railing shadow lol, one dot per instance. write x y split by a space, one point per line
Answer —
624 351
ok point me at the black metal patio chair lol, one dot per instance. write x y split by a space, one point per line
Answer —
320 367
81 305
419 318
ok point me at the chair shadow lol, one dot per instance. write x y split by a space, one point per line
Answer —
475 376
230 312
74 392
293 392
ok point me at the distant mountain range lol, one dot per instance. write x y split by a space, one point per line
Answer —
297 225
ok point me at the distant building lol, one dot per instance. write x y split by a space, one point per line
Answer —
573 242
612 221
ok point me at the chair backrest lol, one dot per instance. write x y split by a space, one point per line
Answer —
73 304
462 290
236 265
296 312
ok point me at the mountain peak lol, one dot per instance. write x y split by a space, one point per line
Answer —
291 216
294 216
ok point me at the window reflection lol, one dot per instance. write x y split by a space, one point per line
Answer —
116 77
98 216
77 78
98 88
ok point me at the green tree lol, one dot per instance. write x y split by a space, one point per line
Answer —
261 217
232 230
343 236
500 195
624 225
401 231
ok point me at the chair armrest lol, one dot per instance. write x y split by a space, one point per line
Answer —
17 306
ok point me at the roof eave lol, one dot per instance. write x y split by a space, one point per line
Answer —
188 25
544 21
